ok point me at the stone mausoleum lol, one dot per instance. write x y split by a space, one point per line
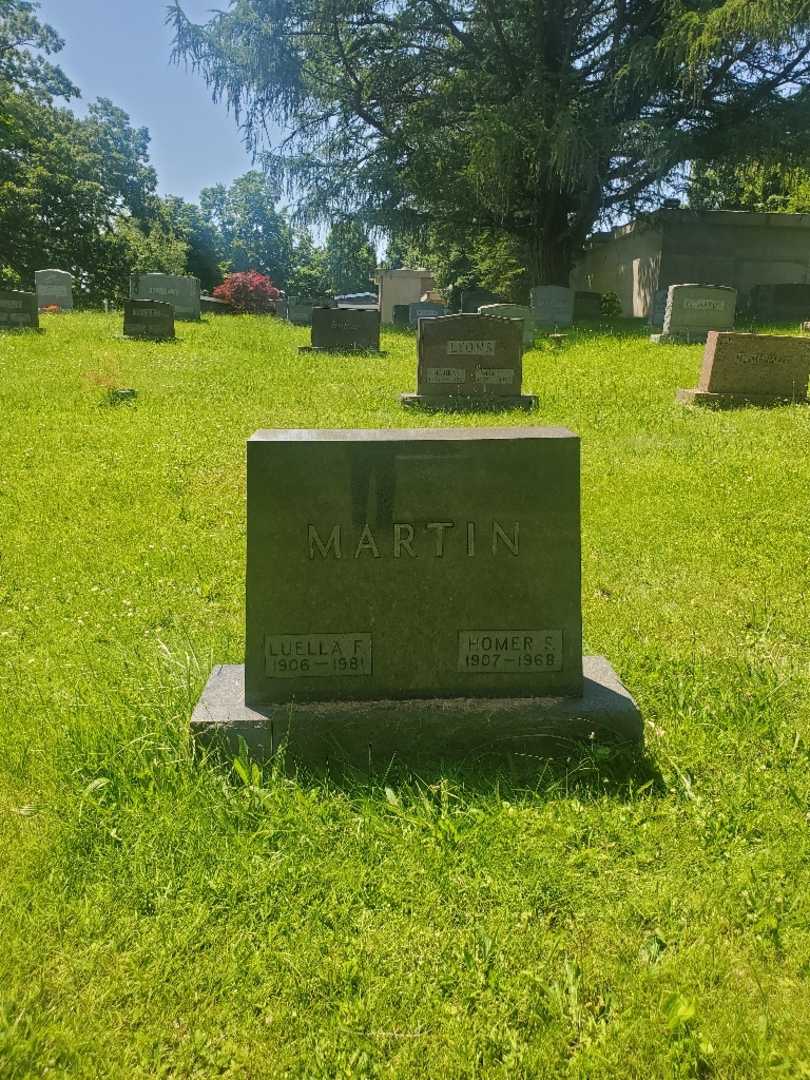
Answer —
713 247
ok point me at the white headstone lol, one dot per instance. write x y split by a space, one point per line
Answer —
694 310
54 289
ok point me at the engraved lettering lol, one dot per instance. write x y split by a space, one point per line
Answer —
471 539
438 528
499 534
403 538
333 542
367 543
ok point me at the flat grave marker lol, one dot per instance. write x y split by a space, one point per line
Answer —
152 320
470 361
751 369
18 310
416 594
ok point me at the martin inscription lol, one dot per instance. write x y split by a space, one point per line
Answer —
433 539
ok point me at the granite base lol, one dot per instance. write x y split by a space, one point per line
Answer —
373 734
685 337
734 401
458 403
341 349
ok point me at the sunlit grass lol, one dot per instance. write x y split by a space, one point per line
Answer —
163 916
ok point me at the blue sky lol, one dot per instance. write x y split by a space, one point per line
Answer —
120 49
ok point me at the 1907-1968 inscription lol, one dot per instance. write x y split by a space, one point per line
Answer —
508 652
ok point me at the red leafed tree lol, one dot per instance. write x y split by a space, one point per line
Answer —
249 293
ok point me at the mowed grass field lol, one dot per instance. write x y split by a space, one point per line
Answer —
162 915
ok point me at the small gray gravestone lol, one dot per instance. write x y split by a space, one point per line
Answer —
751 369
181 291
344 330
18 310
413 595
54 289
658 309
423 310
693 310
401 315
150 319
513 311
470 361
474 298
553 305
780 303
587 306
299 309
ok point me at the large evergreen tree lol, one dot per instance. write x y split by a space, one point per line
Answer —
529 117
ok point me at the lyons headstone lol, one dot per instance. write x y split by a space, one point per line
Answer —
424 310
658 309
513 311
413 595
344 330
587 306
181 291
54 289
18 310
751 369
693 310
473 299
780 303
470 361
553 305
401 315
149 319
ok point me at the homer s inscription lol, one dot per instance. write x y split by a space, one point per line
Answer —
509 651
432 539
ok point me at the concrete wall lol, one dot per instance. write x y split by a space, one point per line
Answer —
707 247
401 287
627 263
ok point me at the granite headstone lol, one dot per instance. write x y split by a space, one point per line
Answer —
553 305
474 298
513 311
693 310
416 594
424 310
18 310
401 315
54 289
470 361
346 329
751 369
780 303
181 291
658 309
149 319
588 306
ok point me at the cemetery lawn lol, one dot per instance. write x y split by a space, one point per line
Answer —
161 915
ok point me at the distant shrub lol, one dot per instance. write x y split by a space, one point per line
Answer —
610 305
249 293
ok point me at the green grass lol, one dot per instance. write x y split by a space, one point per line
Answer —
164 916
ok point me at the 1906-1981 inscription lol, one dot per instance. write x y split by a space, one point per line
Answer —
291 656
509 651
